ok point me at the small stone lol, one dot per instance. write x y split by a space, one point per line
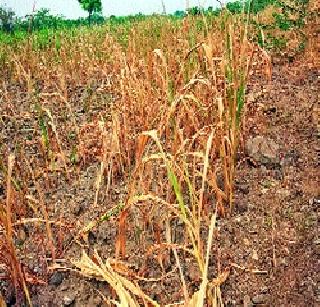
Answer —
56 279
69 299
263 150
259 299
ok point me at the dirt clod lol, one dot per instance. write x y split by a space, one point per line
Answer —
263 150
56 279
68 299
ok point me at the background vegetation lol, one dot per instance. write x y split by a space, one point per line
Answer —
285 18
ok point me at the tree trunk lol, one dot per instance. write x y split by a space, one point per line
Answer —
89 17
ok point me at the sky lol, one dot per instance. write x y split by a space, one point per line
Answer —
71 8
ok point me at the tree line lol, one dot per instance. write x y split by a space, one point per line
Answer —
9 22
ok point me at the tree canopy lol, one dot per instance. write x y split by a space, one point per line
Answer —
91 6
7 18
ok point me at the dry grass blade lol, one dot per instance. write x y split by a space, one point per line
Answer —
184 216
127 291
172 177
205 172
2 302
6 218
199 297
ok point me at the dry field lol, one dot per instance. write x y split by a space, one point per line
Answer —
169 164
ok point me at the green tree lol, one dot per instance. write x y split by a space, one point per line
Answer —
7 19
91 6
195 11
179 14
